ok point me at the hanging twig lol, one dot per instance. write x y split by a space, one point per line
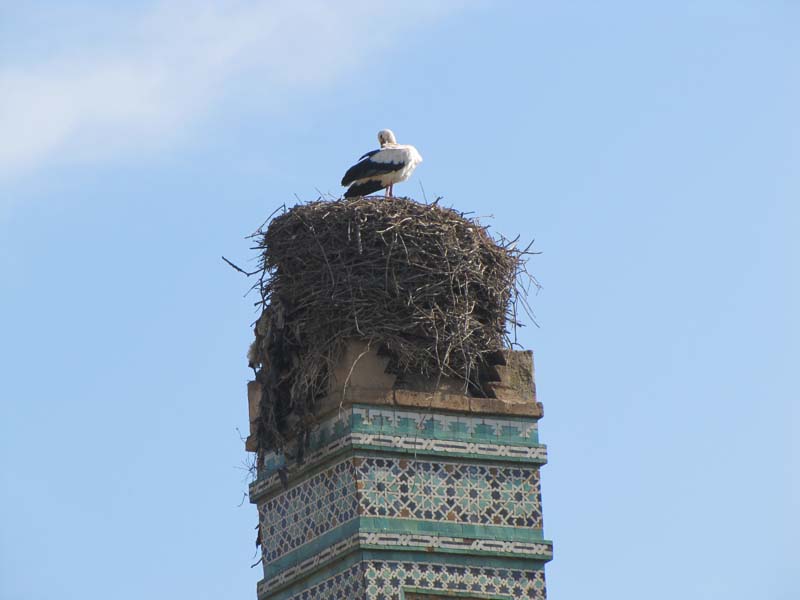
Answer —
238 269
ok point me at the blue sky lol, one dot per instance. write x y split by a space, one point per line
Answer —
650 149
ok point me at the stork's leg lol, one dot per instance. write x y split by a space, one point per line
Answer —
389 190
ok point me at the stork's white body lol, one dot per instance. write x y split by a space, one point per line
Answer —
406 157
381 168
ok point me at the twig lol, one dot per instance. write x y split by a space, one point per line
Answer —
238 269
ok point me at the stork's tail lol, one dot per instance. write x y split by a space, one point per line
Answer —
363 188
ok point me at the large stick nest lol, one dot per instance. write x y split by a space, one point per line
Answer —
427 286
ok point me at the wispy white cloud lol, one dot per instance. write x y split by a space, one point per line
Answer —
156 73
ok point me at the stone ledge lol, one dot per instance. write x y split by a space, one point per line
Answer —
361 378
435 401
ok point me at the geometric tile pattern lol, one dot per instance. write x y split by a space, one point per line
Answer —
401 488
347 584
308 510
384 580
477 494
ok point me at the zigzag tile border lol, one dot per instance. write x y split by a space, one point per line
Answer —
541 551
456 447
391 541
448 426
418 424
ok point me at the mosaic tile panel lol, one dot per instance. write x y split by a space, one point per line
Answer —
385 579
306 511
345 585
443 491
443 488
397 488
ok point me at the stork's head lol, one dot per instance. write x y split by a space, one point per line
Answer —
386 136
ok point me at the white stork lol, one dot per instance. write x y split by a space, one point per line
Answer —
382 168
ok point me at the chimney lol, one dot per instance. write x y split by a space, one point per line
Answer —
380 478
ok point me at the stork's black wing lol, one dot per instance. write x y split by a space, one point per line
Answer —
371 165
363 187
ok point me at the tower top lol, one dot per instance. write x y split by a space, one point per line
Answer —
425 288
